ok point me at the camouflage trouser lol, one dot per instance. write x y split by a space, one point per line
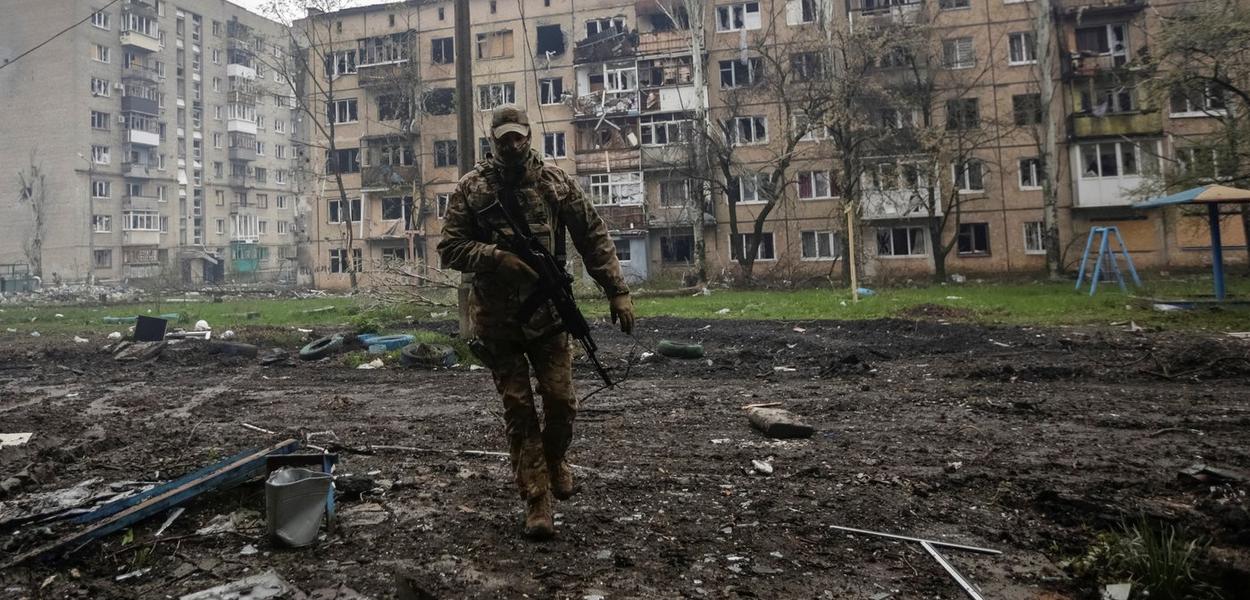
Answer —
530 447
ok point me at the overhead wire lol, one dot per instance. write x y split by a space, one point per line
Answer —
58 34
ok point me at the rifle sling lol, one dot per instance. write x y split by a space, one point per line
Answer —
512 211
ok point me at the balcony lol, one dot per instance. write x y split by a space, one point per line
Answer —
623 217
606 46
603 161
382 74
138 72
138 202
246 153
597 104
1086 125
1092 65
139 137
894 204
140 8
241 71
669 99
669 217
666 157
141 238
237 180
879 13
137 40
664 42
241 96
241 126
387 176
140 104
140 170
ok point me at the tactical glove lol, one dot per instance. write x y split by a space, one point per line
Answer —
512 269
622 308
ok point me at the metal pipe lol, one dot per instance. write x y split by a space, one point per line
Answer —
963 583
915 539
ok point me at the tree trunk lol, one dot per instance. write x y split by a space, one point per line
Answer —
1049 152
1245 228
939 250
694 10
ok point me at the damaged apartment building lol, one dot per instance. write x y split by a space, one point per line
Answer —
164 139
612 92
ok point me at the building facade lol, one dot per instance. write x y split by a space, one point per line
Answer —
165 134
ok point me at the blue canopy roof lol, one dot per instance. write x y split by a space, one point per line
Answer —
1203 194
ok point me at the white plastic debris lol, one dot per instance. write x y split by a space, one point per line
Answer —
800 330
116 335
954 297
1134 327
248 550
784 369
957 278
59 316
202 325
438 315
301 330
226 335
373 364
762 467
34 334
10 330
723 311
1117 591
80 340
14 439
475 367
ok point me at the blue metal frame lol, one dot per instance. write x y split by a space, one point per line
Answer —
1108 256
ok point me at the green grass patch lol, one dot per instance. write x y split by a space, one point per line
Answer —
1157 559
1043 304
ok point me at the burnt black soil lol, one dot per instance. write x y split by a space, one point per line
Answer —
1027 440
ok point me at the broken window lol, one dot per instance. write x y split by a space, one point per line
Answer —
343 161
740 73
674 17
396 208
550 90
605 26
440 101
616 188
806 66
665 71
384 49
393 107
496 44
445 153
676 248
550 40
736 17
443 51
492 95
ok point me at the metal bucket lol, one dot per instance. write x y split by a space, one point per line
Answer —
295 502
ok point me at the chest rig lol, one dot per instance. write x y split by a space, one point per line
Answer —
520 202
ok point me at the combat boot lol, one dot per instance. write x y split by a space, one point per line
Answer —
562 485
538 521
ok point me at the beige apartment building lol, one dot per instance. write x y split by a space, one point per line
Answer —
610 87
168 147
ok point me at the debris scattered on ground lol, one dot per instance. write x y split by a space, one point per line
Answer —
138 351
779 423
116 335
202 325
1201 473
255 587
1117 591
373 364
173 516
296 500
80 340
762 467
679 350
227 335
723 311
14 439
428 356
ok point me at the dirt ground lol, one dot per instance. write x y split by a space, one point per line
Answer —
1030 441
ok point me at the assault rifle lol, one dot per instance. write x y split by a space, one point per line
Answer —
554 282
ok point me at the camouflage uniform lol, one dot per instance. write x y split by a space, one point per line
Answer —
550 200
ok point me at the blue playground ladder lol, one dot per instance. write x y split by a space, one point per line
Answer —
1108 257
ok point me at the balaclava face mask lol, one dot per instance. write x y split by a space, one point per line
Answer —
512 158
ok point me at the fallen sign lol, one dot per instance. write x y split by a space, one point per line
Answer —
124 513
255 587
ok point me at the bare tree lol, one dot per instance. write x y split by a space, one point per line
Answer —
316 59
935 109
753 154
1200 65
32 190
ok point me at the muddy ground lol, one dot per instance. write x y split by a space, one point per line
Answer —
1026 440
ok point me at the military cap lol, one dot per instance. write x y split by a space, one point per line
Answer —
509 118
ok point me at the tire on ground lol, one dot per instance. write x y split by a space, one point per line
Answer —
321 348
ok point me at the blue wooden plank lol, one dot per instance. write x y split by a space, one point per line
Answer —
224 476
116 506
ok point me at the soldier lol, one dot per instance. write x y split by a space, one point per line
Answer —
552 204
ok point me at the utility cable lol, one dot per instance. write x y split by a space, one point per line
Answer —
58 34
